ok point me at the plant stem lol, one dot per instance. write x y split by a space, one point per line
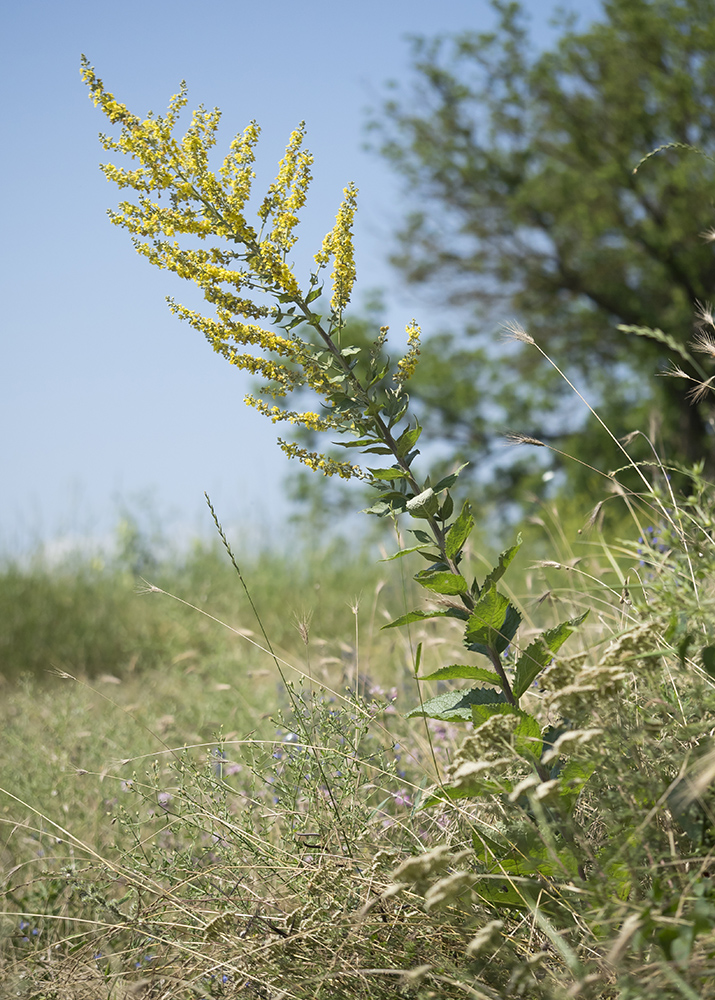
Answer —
506 686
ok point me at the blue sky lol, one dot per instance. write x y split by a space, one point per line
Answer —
108 401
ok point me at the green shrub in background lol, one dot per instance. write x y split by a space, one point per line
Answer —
546 833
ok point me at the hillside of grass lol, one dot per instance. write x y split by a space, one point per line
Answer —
188 814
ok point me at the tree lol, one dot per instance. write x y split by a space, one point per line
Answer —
530 209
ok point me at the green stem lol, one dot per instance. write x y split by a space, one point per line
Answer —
506 686
385 435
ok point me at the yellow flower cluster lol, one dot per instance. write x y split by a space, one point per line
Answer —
267 262
287 194
250 262
406 365
219 332
310 420
203 204
338 244
321 463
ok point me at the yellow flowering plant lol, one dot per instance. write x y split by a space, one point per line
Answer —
265 321
535 842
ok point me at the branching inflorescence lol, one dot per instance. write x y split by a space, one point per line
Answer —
246 276
248 281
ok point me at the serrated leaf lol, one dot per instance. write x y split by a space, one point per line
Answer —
463 671
420 616
501 567
527 737
539 653
492 624
447 583
456 704
459 531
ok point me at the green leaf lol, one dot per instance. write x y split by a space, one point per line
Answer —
511 893
401 553
459 531
487 849
385 506
445 511
425 504
501 567
434 558
315 294
420 616
418 658
573 776
456 704
388 473
422 536
442 583
539 653
527 735
577 772
360 443
524 854
394 496
492 624
464 671
408 439
708 657
450 480
480 786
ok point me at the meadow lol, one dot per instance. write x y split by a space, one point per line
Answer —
185 815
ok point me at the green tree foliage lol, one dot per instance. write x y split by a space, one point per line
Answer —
529 208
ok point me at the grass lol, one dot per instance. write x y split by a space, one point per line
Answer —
180 822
